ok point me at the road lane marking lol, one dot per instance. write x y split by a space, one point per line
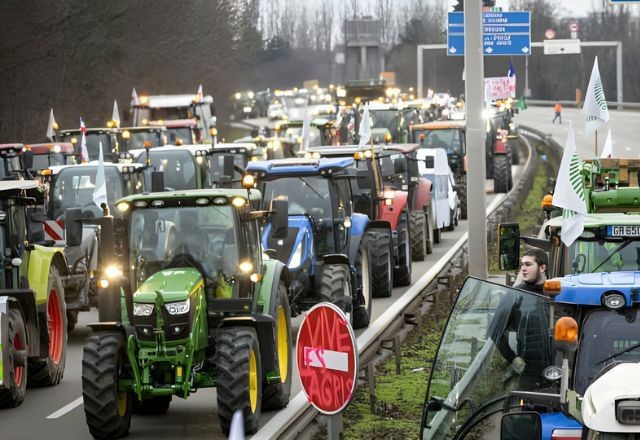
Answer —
65 409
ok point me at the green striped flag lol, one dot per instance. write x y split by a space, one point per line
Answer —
569 192
595 108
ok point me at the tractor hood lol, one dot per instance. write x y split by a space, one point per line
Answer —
174 284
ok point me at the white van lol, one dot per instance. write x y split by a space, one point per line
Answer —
445 205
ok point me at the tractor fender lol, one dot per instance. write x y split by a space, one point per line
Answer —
391 213
274 271
336 259
265 328
359 224
40 260
378 224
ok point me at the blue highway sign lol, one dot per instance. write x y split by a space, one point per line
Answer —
504 33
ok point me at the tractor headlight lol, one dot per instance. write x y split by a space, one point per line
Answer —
296 258
113 271
178 307
142 309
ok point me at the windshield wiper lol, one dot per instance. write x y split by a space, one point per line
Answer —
614 355
615 251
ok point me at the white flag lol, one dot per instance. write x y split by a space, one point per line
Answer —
607 151
306 132
134 97
51 127
115 117
569 192
100 189
365 127
84 152
199 94
595 108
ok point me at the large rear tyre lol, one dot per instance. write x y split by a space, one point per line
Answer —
402 275
362 307
107 408
276 395
239 383
501 173
381 256
151 407
419 237
49 371
109 304
17 363
429 233
462 195
335 285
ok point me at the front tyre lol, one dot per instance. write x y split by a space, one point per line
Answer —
239 377
381 257
402 275
362 308
335 285
104 363
419 238
49 370
17 365
276 395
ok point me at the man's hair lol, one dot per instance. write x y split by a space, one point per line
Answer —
539 255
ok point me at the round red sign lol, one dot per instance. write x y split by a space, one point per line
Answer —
327 358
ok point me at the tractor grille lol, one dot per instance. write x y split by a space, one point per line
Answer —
175 327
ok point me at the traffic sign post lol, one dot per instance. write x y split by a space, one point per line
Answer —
327 359
503 33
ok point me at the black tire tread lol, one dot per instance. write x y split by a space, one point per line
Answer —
417 232
501 173
13 396
462 195
402 275
379 243
362 314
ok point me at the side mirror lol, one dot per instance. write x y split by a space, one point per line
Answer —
521 425
157 181
227 167
27 159
73 226
509 246
280 219
399 167
364 179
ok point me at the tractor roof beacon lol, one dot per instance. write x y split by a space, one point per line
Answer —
196 313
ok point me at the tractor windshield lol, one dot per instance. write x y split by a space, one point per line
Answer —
138 138
74 187
389 163
93 144
490 328
160 237
605 255
178 166
163 113
385 119
605 333
294 135
180 136
44 161
449 139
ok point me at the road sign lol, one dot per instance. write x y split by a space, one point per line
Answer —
573 27
327 357
561 47
504 33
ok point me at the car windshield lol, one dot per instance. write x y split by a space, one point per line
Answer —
138 138
606 255
158 236
182 135
74 188
604 333
449 139
489 326
178 166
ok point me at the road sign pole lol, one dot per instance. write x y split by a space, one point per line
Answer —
476 173
334 426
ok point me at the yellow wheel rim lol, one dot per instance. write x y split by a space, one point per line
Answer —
253 382
283 345
122 404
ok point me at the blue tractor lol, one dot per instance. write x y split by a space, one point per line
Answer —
322 244
514 364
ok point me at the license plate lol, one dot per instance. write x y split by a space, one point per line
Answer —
247 109
623 231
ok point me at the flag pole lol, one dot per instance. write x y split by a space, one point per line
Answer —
374 162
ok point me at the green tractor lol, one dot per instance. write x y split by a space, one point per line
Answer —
202 306
33 320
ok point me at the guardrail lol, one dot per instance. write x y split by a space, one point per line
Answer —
300 413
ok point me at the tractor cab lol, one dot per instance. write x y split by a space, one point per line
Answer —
387 123
15 162
322 132
51 154
228 163
108 137
133 138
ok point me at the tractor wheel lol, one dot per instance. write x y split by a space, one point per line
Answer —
515 155
72 319
239 377
419 238
402 275
17 363
49 370
501 173
155 406
107 409
335 286
109 304
429 233
462 195
276 395
362 307
381 257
